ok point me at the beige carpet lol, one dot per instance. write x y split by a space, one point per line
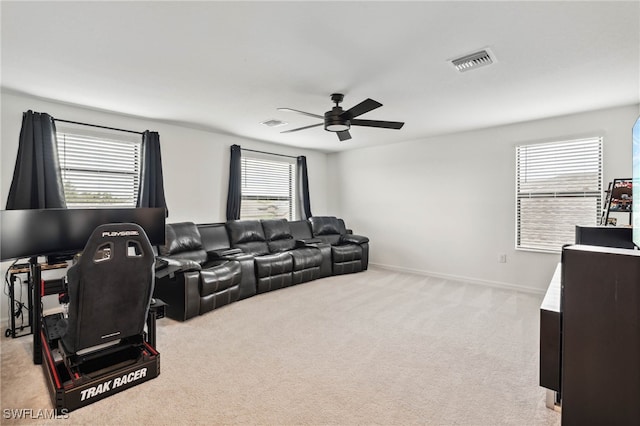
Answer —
378 347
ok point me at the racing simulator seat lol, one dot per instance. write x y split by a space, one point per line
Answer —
100 348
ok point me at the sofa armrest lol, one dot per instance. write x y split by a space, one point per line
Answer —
353 239
171 265
184 265
181 292
307 242
222 253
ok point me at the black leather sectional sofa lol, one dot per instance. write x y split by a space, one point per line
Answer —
212 265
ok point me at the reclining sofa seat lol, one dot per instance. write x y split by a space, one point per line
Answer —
273 270
196 284
301 231
215 242
349 252
306 259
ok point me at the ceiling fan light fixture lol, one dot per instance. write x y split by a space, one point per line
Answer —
334 122
337 127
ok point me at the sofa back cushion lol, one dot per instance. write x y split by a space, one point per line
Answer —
183 242
248 236
214 236
300 229
327 225
329 229
278 235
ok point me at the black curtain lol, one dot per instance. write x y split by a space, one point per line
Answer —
304 204
151 193
235 175
37 180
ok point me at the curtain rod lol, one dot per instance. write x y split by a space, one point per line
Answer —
269 153
95 125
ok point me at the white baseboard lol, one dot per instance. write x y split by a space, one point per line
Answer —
489 283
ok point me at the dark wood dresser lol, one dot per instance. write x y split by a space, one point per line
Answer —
599 337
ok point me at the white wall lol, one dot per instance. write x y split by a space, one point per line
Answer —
445 205
195 162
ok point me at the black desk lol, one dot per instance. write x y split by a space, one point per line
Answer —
41 288
29 282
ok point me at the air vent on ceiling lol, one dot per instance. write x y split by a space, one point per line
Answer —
473 61
274 123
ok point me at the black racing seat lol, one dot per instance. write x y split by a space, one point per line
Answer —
110 288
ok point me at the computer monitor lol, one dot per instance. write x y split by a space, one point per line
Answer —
604 236
40 232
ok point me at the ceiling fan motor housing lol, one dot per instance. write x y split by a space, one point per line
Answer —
333 121
339 121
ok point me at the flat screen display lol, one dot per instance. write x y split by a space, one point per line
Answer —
635 206
39 232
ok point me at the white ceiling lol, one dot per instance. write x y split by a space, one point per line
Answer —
227 66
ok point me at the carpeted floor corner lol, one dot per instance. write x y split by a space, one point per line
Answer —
377 347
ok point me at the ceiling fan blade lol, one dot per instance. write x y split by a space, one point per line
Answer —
302 128
364 106
301 112
344 135
378 123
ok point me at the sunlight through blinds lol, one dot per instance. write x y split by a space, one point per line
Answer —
268 187
99 171
558 186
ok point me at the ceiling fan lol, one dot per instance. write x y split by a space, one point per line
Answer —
339 121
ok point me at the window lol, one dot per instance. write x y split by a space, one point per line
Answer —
558 186
268 186
99 169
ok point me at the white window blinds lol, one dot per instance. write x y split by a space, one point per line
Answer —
268 186
558 186
99 170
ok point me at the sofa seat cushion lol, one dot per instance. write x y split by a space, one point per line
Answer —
333 239
197 256
255 248
346 253
305 258
219 276
284 244
273 264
